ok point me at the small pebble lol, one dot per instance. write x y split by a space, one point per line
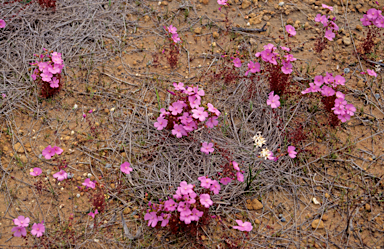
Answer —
283 220
346 70
78 195
377 96
89 175
280 215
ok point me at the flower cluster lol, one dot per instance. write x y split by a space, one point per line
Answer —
267 154
374 17
270 55
172 31
187 113
50 70
186 202
328 24
325 86
21 223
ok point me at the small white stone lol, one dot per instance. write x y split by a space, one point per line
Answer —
72 132
248 24
315 201
75 107
159 3
78 195
281 4
89 175
112 109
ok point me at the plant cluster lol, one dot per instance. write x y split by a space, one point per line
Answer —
48 73
332 100
329 26
374 20
187 113
174 50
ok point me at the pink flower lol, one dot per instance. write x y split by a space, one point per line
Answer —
269 46
371 73
237 62
172 30
2 24
164 218
33 76
61 175
340 95
273 100
43 66
21 221
186 216
54 83
207 148
225 180
328 79
161 123
183 207
56 68
35 172
212 109
327 7
333 26
152 218
48 152
266 55
57 150
271 157
197 214
38 229
194 101
291 151
291 30
253 67
125 168
329 35
19 231
222 2
327 91
350 109
175 38
212 122
379 22
365 21
185 188
56 58
170 205
93 214
205 182
88 183
235 166
46 76
285 49
215 187
196 91
372 14
286 68
289 58
163 112
243 226
179 131
179 86
240 177
205 200
344 117
339 80
199 113
318 80
176 107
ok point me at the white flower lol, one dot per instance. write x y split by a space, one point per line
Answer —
265 153
259 140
